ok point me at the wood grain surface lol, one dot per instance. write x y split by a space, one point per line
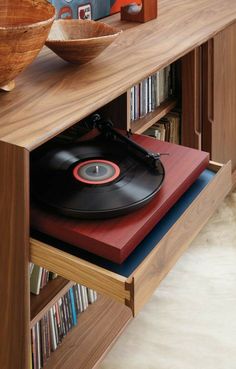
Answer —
80 271
219 109
14 257
51 95
191 130
142 124
160 261
97 330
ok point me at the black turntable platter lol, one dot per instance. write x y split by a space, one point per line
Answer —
93 179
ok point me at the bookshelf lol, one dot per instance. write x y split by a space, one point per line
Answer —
98 328
50 97
40 304
142 124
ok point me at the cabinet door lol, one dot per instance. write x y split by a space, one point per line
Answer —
219 96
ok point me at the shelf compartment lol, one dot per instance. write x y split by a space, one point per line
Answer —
97 330
142 124
49 295
133 282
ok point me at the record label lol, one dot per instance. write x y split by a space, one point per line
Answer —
96 172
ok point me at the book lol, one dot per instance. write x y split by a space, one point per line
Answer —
136 102
35 279
150 94
143 98
157 89
152 91
74 317
132 91
172 125
161 86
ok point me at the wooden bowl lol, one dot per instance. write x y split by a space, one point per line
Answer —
24 28
79 41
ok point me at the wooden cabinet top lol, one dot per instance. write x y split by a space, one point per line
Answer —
51 95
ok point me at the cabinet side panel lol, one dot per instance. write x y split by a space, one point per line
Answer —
191 99
118 111
220 110
14 250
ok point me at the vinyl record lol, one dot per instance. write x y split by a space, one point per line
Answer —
93 179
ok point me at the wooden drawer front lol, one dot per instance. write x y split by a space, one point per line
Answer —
80 271
134 289
160 261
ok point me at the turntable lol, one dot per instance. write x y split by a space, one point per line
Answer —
107 176
106 193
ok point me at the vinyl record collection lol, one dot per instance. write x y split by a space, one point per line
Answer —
150 93
39 277
48 333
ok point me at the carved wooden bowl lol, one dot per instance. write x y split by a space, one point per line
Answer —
24 28
79 41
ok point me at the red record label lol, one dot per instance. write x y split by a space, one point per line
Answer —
96 172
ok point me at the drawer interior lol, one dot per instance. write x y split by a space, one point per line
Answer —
126 281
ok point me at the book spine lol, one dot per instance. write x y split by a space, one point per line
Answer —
161 86
80 298
150 94
62 317
39 364
157 89
34 347
52 330
154 92
76 294
143 98
74 317
136 102
132 114
90 296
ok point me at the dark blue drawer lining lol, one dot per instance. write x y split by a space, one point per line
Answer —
149 242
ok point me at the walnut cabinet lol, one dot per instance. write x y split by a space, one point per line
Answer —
50 96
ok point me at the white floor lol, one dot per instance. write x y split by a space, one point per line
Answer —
190 322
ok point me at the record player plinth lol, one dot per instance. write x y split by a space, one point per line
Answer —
116 238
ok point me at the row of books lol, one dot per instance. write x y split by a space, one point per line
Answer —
39 278
152 92
48 333
167 128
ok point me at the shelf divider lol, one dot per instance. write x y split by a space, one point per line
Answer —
141 125
49 295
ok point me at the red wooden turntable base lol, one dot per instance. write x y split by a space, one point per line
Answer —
116 238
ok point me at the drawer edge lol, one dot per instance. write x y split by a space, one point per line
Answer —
160 261
80 271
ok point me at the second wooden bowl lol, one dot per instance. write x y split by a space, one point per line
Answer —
79 41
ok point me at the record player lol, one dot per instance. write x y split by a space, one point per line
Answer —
105 193
106 176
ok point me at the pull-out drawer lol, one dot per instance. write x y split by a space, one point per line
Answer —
133 282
